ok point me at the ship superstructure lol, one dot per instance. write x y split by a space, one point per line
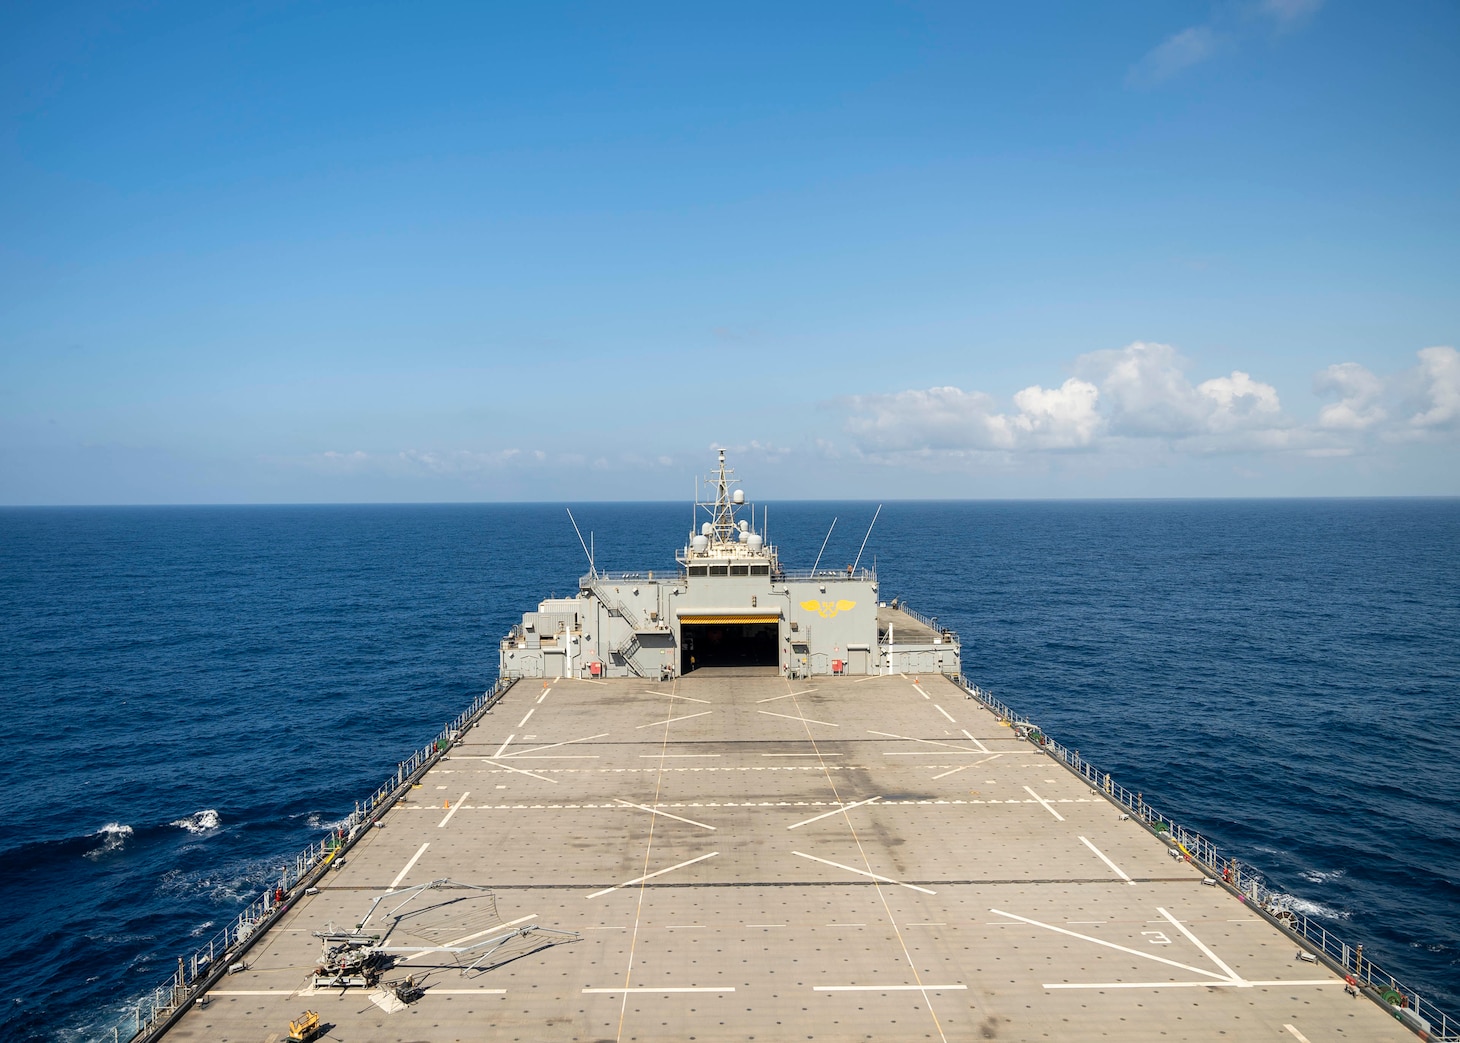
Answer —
730 603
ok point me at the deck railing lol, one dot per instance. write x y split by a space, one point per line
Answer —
1423 1017
155 1012
930 622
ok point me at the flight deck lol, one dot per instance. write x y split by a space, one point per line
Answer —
737 854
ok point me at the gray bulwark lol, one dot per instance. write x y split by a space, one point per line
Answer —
730 604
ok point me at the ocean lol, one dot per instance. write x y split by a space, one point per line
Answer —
193 694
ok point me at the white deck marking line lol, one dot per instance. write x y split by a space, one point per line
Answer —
595 992
928 923
788 695
1112 945
676 720
1183 984
863 872
409 866
549 746
929 742
919 687
520 771
251 992
686 698
836 811
888 988
650 876
503 748
544 695
975 764
1047 806
912 964
656 811
765 925
469 937
668 756
981 747
803 720
812 754
869 677
945 713
454 808
530 711
1297 1035
1199 944
467 992
1113 867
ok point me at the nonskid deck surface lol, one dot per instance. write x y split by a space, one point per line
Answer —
747 857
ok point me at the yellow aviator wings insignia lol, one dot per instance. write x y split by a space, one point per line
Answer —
827 609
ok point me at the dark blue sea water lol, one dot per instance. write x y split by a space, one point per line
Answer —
193 694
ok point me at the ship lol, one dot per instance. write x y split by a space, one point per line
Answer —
735 801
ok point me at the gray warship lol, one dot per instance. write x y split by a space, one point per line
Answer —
731 801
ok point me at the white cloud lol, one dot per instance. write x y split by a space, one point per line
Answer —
1439 373
1137 402
1057 418
1227 28
1359 392
1176 53
948 418
1147 393
1238 402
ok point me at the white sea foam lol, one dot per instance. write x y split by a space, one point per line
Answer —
198 821
1309 908
316 821
226 884
113 835
1320 876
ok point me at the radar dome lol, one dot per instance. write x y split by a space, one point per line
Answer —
754 541
706 529
744 525
700 544
739 496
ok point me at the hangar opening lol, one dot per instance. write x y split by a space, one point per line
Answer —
725 640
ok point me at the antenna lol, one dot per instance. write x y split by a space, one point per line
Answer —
823 547
866 538
591 570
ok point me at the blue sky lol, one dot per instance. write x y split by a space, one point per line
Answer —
286 252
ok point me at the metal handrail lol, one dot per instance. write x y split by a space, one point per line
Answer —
1244 881
931 622
826 574
155 1012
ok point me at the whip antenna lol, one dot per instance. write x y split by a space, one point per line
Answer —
866 538
823 547
586 552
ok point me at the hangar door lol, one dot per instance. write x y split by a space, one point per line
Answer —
728 640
